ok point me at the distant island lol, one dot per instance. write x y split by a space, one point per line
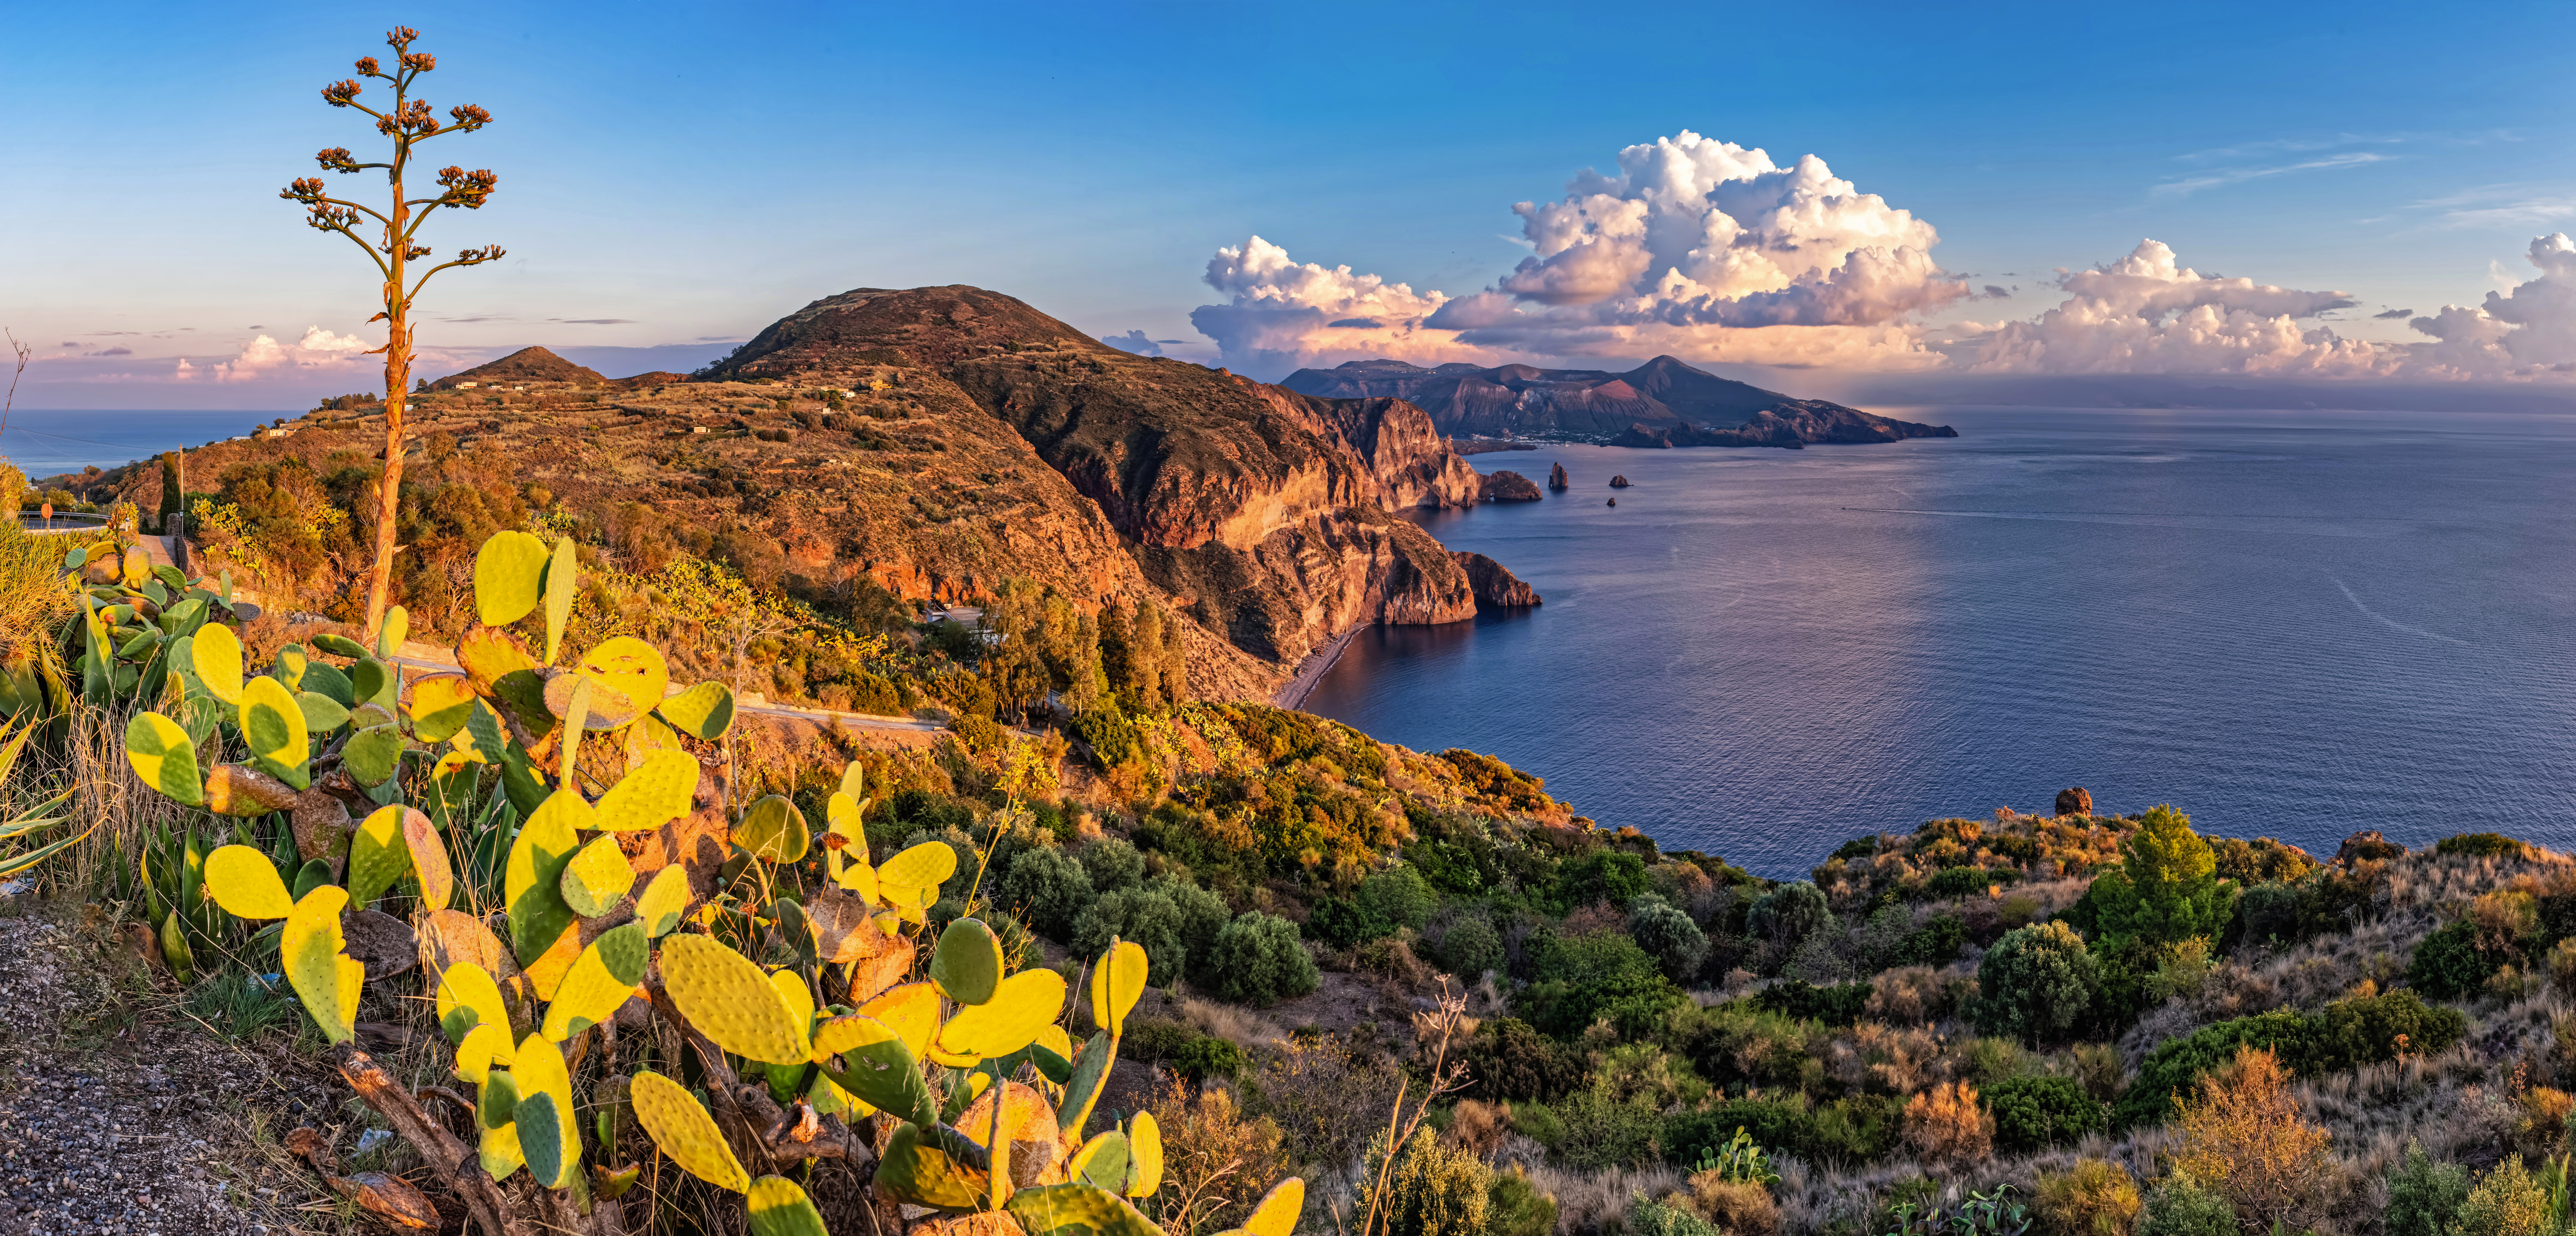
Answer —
1662 403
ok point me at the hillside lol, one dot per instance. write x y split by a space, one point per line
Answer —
1664 394
527 365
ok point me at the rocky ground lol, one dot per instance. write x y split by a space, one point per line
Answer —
121 1111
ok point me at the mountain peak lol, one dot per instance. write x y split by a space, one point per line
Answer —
518 368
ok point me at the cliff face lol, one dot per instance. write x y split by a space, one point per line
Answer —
1410 460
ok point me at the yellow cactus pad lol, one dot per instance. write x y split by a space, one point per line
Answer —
499 1151
911 1010
603 978
927 865
775 830
378 855
429 867
217 654
730 1000
164 758
1101 1162
1144 1156
507 573
793 992
468 997
547 1134
1025 1003
629 667
559 595
657 792
324 977
1077 1209
532 881
780 1208
272 725
486 1047
246 884
546 974
1117 982
597 878
665 899
1277 1213
440 704
703 712
680 1125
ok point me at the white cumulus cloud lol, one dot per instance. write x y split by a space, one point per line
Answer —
264 356
2529 329
2147 313
1697 247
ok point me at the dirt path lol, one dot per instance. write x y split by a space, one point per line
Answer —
120 1114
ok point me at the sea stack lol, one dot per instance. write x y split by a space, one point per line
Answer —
1509 487
1619 482
1556 478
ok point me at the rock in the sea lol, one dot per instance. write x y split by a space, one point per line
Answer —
2367 845
1556 477
2077 801
1619 482
1494 583
1507 486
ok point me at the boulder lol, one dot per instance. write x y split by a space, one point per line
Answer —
2077 801
1556 477
1506 486
2367 845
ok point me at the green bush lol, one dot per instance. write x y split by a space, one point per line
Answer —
1509 1060
1396 895
2166 888
2267 913
2424 1196
1856 1129
1051 888
1668 935
1113 864
2177 1063
1652 1218
2448 965
1602 875
1580 978
2036 1112
1789 913
1935 943
1344 923
1471 947
1111 736
1259 960
1430 1190
2036 983
2481 845
1515 1207
1208 1056
2181 1207
1143 915
1837 1005
1203 916
2350 1033
1959 881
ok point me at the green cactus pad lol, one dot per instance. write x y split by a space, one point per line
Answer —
289 668
378 856
1077 1209
598 983
1116 984
495 1113
547 1134
163 757
312 875
340 646
597 878
533 879
773 829
324 976
324 678
665 899
779 1208
1102 1161
703 712
508 572
912 1170
1090 1078
272 724
246 884
880 1070
440 705
730 1000
469 997
657 792
372 682
322 714
373 755
680 1125
968 963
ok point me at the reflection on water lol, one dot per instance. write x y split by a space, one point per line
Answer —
2294 624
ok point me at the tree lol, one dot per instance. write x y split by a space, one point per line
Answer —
1050 888
2036 982
408 123
1676 943
2166 889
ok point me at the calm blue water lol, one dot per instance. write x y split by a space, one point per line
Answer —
2295 624
44 443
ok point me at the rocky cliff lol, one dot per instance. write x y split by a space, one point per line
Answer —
1792 425
1510 486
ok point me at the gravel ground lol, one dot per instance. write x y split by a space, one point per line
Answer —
121 1113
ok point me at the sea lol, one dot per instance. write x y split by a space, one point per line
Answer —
45 443
2296 624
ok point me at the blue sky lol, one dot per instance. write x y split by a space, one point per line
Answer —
682 175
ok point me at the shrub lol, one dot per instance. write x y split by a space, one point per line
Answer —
1602 875
1202 917
2033 1112
1515 1207
1647 1218
2260 861
1737 1207
1848 1130
2448 965
1214 1158
1471 947
1958 882
2481 845
1509 1059
2181 1206
1113 864
1668 935
1396 895
2365 1030
1050 888
2424 1196
1935 943
1208 1056
2507 1202
1947 1125
1145 916
1581 978
2243 1136
1258 960
2036 982
1837 1005
2169 1072
1111 736
1343 923
2166 888
2268 913
1789 913
2094 1198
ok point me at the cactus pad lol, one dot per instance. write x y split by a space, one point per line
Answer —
217 654
1077 1209
730 1000
494 1113
547 1134
880 1070
1102 1161
680 1125
378 855
1117 981
373 755
631 668
703 712
246 884
665 899
911 1011
780 1208
486 1047
1144 1156
1276 1215
440 704
597 878
389 640
429 868
468 997
968 963
324 976
322 714
658 791
164 757
927 865
793 992
600 980
272 724
774 829
508 571
233 789
559 595
913 1170
534 877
